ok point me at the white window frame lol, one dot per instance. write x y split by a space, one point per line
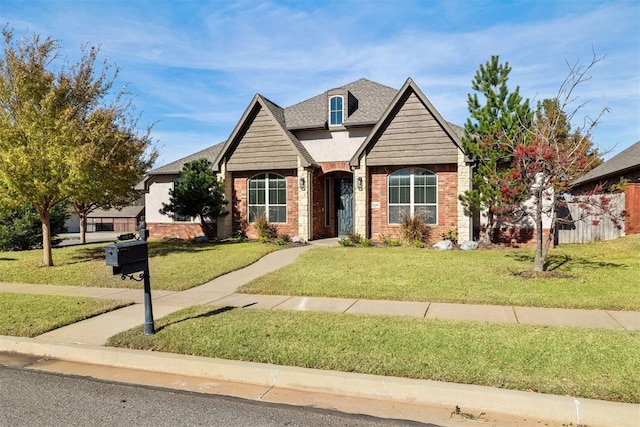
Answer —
267 202
412 203
331 110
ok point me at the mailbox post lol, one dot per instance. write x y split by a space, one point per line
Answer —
131 257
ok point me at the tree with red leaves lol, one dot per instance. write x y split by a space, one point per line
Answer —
547 161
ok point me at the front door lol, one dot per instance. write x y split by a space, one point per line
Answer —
344 204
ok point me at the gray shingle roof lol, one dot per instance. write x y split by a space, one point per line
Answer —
621 162
176 167
126 212
373 99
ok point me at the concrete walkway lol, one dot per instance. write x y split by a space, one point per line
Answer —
75 341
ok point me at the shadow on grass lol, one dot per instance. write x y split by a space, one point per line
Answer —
8 259
211 313
164 248
554 262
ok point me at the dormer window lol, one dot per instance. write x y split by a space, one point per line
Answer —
336 110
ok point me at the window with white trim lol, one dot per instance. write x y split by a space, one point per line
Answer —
268 197
336 110
414 193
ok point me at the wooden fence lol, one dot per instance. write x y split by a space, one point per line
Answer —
592 228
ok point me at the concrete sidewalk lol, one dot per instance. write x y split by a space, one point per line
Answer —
82 342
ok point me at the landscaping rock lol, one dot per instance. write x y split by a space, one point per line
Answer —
200 239
469 245
298 239
443 245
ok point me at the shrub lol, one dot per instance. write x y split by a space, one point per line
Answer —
451 234
414 229
366 243
355 238
418 243
264 229
345 241
263 240
280 241
285 238
21 229
394 242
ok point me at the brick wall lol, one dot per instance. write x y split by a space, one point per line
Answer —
174 230
240 202
447 201
331 171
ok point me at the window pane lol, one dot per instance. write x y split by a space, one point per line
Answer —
420 194
394 214
394 195
335 110
255 212
405 195
278 214
431 195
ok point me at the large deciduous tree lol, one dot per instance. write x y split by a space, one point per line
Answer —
49 137
500 115
548 159
113 158
198 193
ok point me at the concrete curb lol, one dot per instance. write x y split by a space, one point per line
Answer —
478 398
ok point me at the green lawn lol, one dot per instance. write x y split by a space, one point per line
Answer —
599 364
603 275
25 315
173 265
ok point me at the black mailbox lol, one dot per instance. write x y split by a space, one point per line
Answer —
127 257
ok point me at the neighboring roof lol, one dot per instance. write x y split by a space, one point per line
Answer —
126 212
176 167
624 161
373 98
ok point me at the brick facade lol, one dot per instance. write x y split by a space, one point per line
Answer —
174 230
327 171
447 201
240 202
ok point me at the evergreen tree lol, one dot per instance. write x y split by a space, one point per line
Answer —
198 193
501 118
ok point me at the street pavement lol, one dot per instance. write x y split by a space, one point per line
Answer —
83 343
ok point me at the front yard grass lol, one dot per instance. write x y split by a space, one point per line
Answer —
602 275
589 363
25 315
173 265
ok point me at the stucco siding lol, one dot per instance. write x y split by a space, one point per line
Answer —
332 146
158 193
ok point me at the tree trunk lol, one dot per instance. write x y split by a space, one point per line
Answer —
488 232
83 228
45 218
541 256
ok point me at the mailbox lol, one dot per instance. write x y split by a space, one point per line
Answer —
127 257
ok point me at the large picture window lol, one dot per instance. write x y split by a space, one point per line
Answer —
268 197
336 111
414 193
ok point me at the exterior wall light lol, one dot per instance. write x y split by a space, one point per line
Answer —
303 184
359 183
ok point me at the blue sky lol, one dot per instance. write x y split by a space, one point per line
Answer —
195 65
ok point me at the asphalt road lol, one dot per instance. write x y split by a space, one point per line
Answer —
33 398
